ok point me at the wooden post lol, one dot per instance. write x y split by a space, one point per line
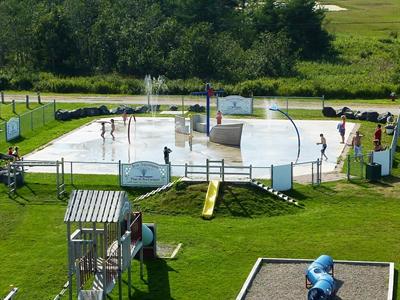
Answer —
13 107
27 101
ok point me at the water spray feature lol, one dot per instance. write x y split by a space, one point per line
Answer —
153 87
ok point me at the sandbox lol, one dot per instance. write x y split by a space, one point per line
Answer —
264 142
276 279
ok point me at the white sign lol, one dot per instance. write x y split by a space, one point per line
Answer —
12 129
282 177
144 174
235 105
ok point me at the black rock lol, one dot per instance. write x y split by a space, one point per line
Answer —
141 109
327 111
349 115
372 116
173 108
77 113
196 108
92 111
63 115
361 115
340 112
104 110
382 118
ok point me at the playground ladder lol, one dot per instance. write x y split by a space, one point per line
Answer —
275 193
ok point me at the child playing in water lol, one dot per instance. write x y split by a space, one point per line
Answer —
112 128
103 129
124 117
324 145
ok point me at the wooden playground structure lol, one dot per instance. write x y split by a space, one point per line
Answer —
107 236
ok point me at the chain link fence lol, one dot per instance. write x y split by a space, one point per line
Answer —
37 118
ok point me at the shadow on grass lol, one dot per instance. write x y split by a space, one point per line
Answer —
157 281
243 212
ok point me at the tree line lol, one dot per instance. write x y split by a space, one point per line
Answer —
227 40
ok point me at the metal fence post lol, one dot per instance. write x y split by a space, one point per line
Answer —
287 105
323 101
44 118
207 169
312 173
39 99
186 170
72 175
13 107
223 170
251 172
27 101
2 97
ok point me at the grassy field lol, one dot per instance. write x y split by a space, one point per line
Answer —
364 17
348 221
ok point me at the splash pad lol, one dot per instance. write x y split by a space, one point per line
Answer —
264 142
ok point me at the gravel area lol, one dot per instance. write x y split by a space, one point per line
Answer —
277 281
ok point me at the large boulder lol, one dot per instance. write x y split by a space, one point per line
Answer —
141 109
197 108
382 118
104 110
120 109
63 115
372 116
77 113
361 115
349 115
327 111
173 108
341 111
92 111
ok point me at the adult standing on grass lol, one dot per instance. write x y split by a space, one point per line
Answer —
324 146
342 128
378 133
356 143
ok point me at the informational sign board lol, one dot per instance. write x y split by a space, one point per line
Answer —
12 129
144 174
235 105
282 177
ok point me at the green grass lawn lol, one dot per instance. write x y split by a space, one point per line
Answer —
347 221
364 17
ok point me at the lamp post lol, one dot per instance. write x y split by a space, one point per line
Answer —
276 108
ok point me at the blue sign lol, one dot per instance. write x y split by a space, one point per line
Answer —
12 129
144 174
235 105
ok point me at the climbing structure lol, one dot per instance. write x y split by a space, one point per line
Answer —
106 237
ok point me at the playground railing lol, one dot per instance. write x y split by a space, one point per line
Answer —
310 171
86 267
136 227
111 267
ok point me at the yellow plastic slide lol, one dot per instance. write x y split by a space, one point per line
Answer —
211 197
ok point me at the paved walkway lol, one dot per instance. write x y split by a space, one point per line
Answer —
190 100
